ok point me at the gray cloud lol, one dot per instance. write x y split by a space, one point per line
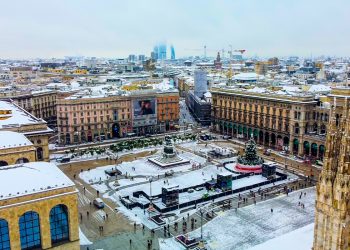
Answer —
114 28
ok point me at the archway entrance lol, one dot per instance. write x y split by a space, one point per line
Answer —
273 140
22 160
321 152
295 146
314 149
306 148
256 134
3 163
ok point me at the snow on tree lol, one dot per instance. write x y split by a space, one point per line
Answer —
250 156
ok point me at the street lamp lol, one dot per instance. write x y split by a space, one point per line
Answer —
150 207
285 148
201 212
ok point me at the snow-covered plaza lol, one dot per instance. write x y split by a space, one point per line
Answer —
257 227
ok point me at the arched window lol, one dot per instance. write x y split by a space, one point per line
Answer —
29 229
3 163
296 128
59 226
22 160
4 235
39 154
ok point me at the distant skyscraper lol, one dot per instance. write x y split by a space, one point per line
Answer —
154 54
172 52
162 51
142 58
159 52
132 58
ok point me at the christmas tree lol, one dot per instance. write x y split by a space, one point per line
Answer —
250 156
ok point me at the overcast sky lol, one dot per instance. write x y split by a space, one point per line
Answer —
117 28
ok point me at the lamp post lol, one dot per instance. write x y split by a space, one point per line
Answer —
150 197
285 148
201 212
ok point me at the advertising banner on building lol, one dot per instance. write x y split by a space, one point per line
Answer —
146 107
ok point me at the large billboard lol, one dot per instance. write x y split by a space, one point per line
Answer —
145 107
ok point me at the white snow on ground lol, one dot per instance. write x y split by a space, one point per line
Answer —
167 244
102 188
300 239
142 167
140 216
188 179
192 157
125 182
83 240
255 224
88 156
96 174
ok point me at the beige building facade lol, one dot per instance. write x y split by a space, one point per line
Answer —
292 123
38 216
15 119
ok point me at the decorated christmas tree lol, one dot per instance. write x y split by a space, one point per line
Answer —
250 156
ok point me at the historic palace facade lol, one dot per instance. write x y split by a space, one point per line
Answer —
16 119
292 123
91 118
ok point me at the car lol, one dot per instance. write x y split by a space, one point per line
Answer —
267 152
199 188
190 190
63 159
227 137
203 137
98 202
319 163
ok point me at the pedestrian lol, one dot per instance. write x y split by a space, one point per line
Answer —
84 189
98 193
75 176
87 214
271 210
143 227
134 225
81 216
90 203
106 216
130 242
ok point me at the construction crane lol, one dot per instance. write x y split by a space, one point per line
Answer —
240 51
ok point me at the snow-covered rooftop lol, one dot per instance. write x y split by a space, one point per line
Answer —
17 117
11 139
29 178
247 77
320 88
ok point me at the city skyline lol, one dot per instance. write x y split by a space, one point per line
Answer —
119 28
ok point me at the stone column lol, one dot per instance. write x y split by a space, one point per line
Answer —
73 219
45 234
13 224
